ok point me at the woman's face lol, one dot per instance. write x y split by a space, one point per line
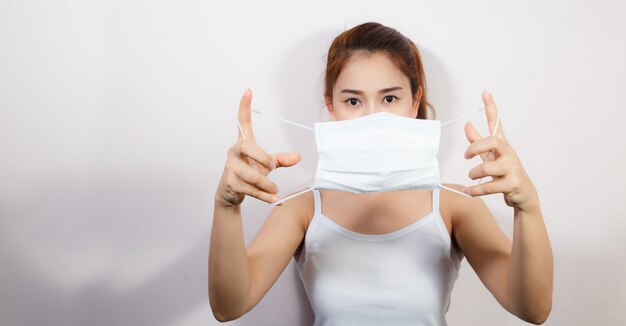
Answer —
369 84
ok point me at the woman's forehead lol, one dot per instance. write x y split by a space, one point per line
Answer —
370 73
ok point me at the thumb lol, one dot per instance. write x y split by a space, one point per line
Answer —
471 133
286 159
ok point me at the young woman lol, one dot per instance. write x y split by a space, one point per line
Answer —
380 258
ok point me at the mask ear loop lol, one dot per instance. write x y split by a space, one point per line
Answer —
450 121
241 131
454 190
281 119
243 135
461 117
495 129
309 188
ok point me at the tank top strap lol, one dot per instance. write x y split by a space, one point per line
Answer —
436 192
318 201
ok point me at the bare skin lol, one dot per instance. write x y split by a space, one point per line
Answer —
518 273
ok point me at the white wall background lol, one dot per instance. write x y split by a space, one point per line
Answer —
115 119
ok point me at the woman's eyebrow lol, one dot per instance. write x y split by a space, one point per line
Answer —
352 91
390 89
382 91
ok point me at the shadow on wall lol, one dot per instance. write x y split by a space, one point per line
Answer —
163 299
297 91
68 245
299 98
444 101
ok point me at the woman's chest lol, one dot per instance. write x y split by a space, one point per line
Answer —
381 213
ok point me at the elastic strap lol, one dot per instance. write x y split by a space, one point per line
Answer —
281 119
318 201
493 133
310 188
313 129
436 195
454 190
461 117
241 131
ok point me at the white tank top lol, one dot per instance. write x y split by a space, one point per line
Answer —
402 277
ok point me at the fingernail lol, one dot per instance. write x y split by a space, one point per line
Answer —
272 165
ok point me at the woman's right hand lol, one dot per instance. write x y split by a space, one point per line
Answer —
247 165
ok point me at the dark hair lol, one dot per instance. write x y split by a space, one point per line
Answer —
374 37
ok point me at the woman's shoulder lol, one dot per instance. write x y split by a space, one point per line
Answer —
302 207
454 205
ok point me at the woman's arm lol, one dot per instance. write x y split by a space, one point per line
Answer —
239 277
529 270
229 279
518 274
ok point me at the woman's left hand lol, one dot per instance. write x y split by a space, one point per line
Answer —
500 162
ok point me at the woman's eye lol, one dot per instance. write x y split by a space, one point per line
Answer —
390 98
352 101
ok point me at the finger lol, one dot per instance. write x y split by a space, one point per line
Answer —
254 178
491 111
473 135
491 168
244 118
251 150
491 187
484 145
257 193
286 159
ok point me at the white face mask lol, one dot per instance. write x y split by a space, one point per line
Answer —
376 152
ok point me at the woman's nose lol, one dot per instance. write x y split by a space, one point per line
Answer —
374 108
